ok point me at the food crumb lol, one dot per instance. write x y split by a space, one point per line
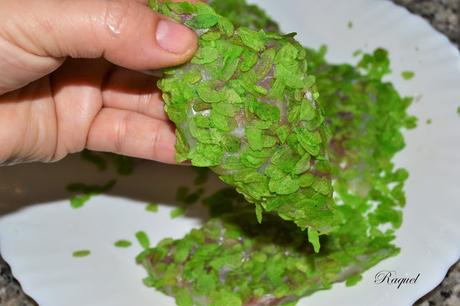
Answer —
350 24
177 212
357 53
458 111
152 207
429 121
407 75
81 253
122 243
143 239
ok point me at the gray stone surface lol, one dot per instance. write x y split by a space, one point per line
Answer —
445 16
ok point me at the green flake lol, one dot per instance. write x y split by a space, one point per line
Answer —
307 112
205 155
203 21
282 132
284 186
313 238
226 26
210 36
458 111
152 207
81 253
429 121
182 7
183 298
255 138
177 212
122 244
143 239
303 164
205 55
350 24
78 201
306 180
85 192
224 298
208 94
206 284
259 213
252 39
249 60
407 75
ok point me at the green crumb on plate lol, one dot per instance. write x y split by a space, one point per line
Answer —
85 192
122 243
81 253
175 213
357 53
407 75
78 201
350 24
143 239
429 121
152 207
458 111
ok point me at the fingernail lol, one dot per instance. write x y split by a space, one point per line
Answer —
174 37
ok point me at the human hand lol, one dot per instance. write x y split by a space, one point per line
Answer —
68 80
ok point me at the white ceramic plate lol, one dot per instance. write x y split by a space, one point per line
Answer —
39 236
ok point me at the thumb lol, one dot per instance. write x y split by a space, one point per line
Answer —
125 32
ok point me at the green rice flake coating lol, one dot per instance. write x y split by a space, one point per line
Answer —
245 107
234 258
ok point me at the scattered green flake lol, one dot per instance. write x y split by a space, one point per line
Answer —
177 212
407 75
85 192
152 207
458 110
122 244
81 253
94 158
357 53
350 24
78 201
429 121
143 239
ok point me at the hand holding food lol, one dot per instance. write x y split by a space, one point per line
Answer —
67 80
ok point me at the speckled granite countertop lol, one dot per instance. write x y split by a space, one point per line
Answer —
445 16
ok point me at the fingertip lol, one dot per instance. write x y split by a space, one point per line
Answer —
176 38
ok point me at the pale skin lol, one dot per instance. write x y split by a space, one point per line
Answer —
70 78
